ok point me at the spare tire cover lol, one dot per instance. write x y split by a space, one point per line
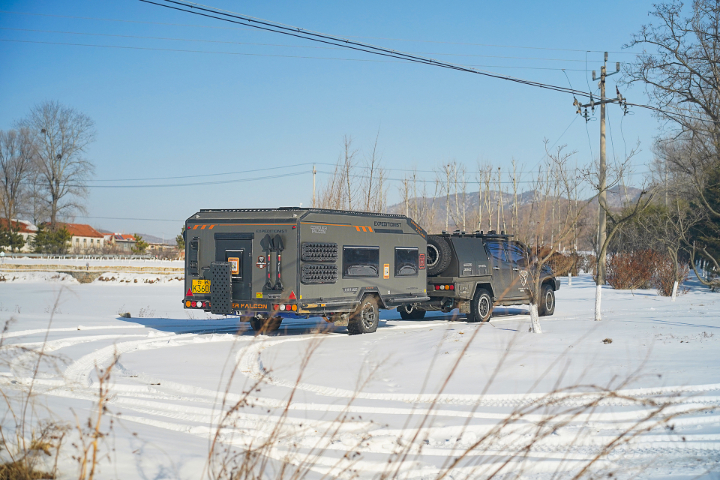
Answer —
439 255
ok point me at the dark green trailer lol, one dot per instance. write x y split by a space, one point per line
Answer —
268 264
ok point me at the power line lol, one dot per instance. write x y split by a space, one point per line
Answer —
144 37
218 52
134 219
350 36
203 175
167 185
338 41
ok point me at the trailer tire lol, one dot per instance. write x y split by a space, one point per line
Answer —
439 255
365 318
481 307
410 312
265 325
547 301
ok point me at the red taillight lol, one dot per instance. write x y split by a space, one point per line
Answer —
437 287
275 307
194 304
451 287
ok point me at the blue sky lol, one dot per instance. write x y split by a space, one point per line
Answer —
161 112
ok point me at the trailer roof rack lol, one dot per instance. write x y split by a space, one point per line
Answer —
477 233
300 209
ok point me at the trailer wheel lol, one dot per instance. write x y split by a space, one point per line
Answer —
265 325
481 307
547 301
410 312
439 255
366 317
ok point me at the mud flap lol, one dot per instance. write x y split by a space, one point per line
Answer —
220 288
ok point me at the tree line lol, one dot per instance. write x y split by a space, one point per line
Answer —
44 172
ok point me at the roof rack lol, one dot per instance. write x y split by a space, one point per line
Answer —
300 209
478 233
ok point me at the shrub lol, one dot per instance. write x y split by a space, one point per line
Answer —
664 276
630 271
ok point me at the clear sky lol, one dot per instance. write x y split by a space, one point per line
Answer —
248 103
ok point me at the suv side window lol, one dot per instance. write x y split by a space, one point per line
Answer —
361 261
517 254
496 250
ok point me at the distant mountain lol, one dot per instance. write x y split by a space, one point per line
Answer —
616 197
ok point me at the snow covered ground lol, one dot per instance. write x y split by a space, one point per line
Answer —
81 262
380 386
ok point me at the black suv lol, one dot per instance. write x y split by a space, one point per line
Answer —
475 272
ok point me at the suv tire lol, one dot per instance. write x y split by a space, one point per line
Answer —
547 301
366 317
481 307
409 312
439 255
265 325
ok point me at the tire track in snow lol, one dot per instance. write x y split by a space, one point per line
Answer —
250 363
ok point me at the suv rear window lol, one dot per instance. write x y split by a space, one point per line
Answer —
406 261
361 261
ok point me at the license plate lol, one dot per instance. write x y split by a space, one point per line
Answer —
201 286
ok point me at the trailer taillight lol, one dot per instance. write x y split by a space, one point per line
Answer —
193 304
188 304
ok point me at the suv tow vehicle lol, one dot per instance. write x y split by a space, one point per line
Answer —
475 272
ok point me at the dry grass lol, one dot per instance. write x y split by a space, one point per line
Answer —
503 451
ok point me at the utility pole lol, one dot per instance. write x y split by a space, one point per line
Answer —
602 174
314 172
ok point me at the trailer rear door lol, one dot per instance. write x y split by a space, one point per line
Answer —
236 248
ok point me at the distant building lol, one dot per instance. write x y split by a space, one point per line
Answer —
24 228
121 242
85 239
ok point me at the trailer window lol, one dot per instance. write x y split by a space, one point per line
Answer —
406 262
361 261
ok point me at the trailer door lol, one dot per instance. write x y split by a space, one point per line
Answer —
236 248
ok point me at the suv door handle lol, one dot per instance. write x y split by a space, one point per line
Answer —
496 268
515 269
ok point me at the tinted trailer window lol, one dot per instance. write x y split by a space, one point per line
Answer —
406 262
361 262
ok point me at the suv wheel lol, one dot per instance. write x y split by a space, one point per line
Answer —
409 312
547 301
366 317
265 325
439 255
481 307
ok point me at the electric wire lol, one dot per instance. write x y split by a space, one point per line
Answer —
350 36
144 37
219 52
338 41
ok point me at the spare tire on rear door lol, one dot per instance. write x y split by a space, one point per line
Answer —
439 255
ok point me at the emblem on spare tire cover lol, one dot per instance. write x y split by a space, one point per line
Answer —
523 277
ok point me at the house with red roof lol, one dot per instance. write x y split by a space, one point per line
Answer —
85 239
23 227
121 242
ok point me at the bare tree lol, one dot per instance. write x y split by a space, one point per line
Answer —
62 136
617 220
17 156
553 196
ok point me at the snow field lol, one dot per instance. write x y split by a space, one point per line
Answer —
374 391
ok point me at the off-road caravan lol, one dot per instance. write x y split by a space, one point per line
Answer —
270 264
